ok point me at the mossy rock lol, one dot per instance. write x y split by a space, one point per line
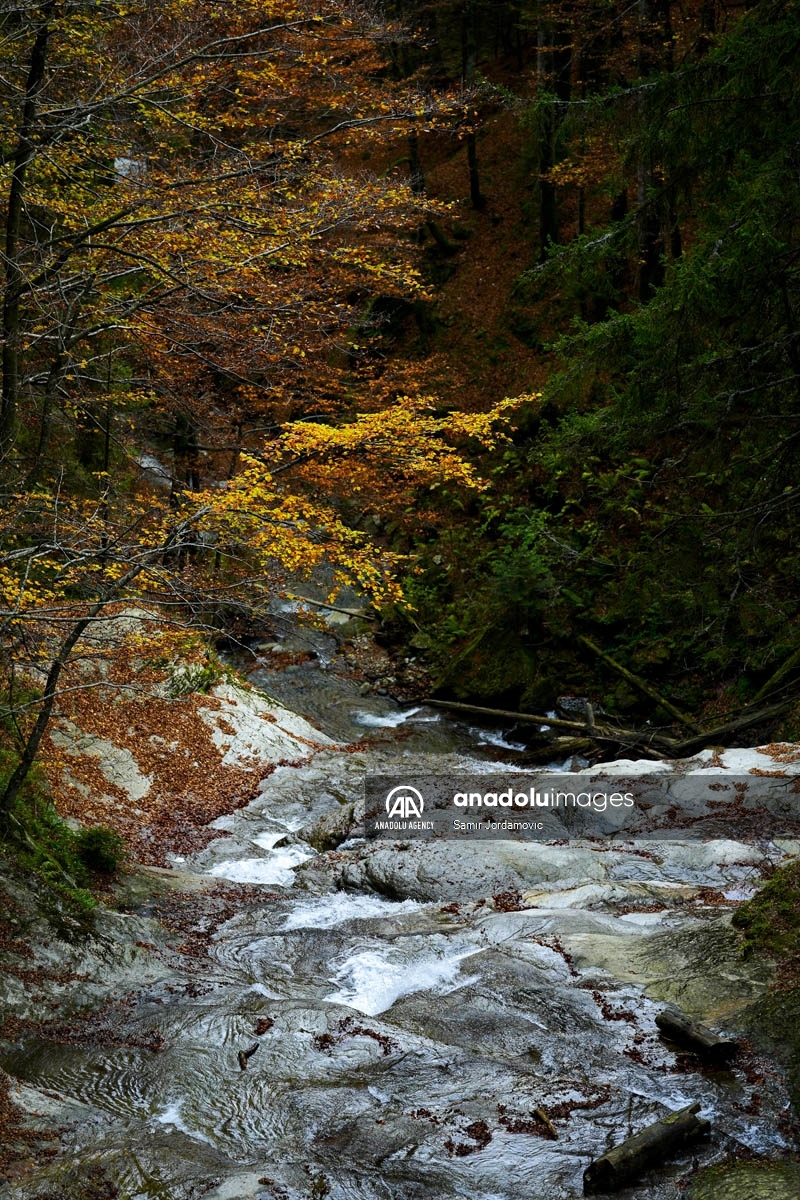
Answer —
748 1181
773 1025
771 920
771 925
494 665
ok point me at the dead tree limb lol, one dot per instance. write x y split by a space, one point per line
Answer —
597 733
777 677
641 685
650 744
745 720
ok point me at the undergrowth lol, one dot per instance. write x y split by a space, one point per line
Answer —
771 921
65 861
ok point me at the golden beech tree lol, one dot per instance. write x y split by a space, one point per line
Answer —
189 235
184 226
216 547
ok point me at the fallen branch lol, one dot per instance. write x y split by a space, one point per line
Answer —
745 720
597 733
548 1124
641 685
361 613
244 1055
777 677
562 747
647 742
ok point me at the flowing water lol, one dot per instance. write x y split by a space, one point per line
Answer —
409 1026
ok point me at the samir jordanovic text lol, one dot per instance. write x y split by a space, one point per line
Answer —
599 801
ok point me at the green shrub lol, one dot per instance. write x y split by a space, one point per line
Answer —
100 848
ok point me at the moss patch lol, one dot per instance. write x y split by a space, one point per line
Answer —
493 666
748 1181
771 925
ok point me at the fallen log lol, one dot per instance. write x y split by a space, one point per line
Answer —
644 1150
684 1031
647 742
360 613
745 720
598 733
561 747
772 684
641 685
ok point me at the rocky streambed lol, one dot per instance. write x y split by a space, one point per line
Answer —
445 1019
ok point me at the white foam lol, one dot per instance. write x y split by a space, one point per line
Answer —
489 737
383 720
268 838
328 911
171 1115
372 982
277 869
293 824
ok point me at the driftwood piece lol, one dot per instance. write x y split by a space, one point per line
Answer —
548 1124
244 1055
679 1028
645 1149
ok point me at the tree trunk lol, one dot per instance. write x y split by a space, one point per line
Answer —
14 274
58 369
553 69
63 653
415 166
470 54
650 228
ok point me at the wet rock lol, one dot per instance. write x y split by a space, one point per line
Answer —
452 871
748 1181
698 967
773 1024
330 830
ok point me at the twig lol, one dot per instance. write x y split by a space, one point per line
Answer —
543 1117
350 612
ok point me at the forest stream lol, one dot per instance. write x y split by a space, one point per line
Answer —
415 1005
